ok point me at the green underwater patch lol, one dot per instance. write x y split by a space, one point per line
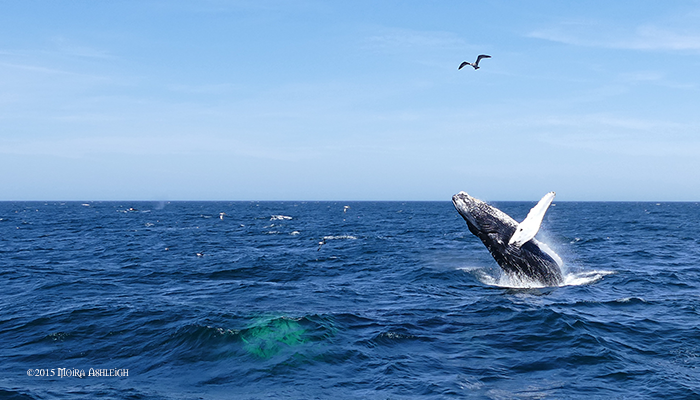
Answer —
267 337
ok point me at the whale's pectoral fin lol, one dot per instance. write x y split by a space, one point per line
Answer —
527 229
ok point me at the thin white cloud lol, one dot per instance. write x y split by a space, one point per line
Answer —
653 38
36 68
66 47
620 135
646 37
406 39
220 88
624 144
642 76
600 121
42 70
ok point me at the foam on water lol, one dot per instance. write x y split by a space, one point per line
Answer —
339 237
584 277
511 281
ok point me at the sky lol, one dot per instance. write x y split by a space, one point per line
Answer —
349 100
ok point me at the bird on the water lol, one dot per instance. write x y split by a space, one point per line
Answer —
474 64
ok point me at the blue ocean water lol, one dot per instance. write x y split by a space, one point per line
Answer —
179 301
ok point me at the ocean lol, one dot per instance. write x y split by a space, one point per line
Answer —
343 300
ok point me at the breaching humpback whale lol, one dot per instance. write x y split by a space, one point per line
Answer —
513 245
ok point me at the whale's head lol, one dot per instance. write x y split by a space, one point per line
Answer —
484 219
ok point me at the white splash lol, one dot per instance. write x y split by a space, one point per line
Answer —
504 280
279 218
584 277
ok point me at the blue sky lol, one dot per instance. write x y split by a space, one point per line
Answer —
351 100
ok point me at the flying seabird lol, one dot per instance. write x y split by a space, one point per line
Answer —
476 63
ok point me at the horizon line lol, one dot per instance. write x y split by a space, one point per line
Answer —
331 201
